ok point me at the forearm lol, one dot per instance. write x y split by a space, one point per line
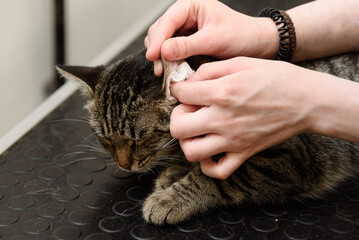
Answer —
334 107
325 28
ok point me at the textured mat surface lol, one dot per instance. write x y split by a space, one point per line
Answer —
56 184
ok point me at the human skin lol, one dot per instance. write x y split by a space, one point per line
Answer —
208 27
244 105
234 110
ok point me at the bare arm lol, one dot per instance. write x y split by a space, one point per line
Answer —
335 107
325 28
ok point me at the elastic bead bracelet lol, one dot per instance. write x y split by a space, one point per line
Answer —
287 41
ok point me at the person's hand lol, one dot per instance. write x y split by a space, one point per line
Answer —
241 106
208 27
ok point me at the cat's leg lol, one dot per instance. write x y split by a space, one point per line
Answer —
256 181
169 176
191 194
300 167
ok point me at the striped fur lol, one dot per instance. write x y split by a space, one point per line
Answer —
130 115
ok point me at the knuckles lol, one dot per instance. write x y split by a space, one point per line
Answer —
223 96
202 71
176 92
189 151
218 173
174 130
223 175
175 126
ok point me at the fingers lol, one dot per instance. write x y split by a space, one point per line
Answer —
194 93
147 42
165 27
218 69
188 121
181 47
199 148
158 68
188 127
213 82
224 167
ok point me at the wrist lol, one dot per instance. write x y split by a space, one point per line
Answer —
253 37
268 39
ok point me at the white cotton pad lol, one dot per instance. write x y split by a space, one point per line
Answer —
175 72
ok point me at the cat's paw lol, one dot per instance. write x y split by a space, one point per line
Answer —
162 183
164 207
168 177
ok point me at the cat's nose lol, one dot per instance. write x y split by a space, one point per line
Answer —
123 160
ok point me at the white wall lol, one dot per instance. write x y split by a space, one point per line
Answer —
93 24
26 57
26 45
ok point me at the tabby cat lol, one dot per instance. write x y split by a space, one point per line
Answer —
130 114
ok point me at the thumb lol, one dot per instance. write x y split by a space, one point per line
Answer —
224 167
179 48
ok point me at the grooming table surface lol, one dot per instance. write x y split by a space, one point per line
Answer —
55 184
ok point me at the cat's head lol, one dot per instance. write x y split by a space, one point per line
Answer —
129 109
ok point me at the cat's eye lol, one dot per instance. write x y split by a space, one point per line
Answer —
140 142
108 141
105 141
160 131
136 144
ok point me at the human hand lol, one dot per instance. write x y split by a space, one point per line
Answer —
208 27
241 106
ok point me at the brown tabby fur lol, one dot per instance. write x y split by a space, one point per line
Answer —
130 114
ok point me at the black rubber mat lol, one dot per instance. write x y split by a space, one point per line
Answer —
55 183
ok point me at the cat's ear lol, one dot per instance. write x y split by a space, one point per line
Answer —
174 72
88 75
166 80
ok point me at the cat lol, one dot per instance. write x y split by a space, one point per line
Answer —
130 113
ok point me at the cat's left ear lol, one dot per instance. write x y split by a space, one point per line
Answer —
174 72
88 75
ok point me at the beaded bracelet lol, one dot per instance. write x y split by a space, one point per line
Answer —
287 41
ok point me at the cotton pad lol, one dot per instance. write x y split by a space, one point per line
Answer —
175 72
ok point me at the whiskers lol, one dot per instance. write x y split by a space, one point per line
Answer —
111 163
164 164
87 150
91 144
171 143
170 160
83 120
91 148
152 171
87 139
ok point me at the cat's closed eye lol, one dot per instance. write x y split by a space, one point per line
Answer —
160 131
106 142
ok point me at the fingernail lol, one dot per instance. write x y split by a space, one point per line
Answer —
169 51
147 54
146 42
158 68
